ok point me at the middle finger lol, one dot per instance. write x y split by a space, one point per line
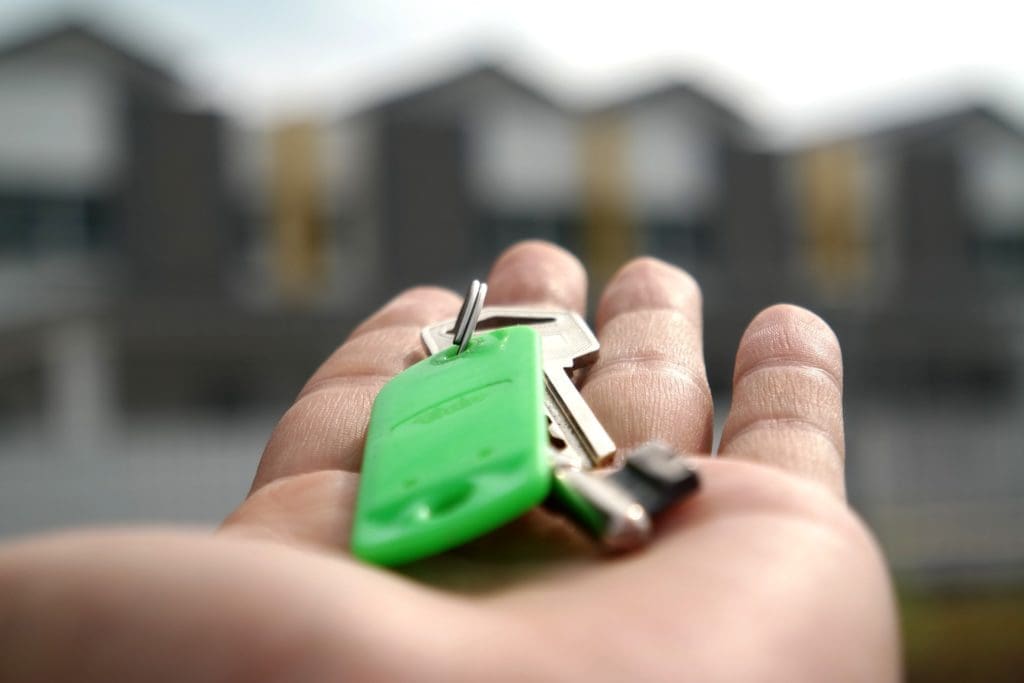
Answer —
538 274
325 428
649 382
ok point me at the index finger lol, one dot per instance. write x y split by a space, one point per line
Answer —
326 426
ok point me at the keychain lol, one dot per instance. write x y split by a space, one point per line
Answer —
491 425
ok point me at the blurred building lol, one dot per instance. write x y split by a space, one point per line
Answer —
915 232
445 176
124 249
911 236
678 172
78 125
160 259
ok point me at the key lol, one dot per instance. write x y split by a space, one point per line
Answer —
617 505
457 445
577 436
612 498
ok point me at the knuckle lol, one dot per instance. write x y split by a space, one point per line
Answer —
668 402
654 336
689 381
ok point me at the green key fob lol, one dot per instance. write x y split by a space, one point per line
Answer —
457 446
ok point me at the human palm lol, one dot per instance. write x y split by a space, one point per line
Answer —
765 575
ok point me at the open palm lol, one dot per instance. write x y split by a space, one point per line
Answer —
766 575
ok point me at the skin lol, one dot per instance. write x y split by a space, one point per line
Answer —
766 575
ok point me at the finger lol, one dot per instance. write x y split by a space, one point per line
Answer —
787 396
649 381
326 426
540 274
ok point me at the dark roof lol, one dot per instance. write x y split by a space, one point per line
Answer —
677 89
101 41
918 124
478 71
962 115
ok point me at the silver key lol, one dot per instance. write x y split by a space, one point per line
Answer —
613 503
578 438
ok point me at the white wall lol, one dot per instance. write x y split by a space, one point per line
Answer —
669 159
348 164
58 127
994 174
525 155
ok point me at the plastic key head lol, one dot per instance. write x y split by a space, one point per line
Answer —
457 446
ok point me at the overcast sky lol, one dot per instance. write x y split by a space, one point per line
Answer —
791 63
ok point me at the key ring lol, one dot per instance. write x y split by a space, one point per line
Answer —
469 314
474 436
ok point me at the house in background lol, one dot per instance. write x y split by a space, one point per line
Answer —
909 236
109 191
101 150
120 245
440 179
658 169
163 262
912 235
677 172
430 185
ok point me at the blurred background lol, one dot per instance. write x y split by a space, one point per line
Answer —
199 200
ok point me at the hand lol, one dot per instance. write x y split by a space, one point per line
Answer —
765 575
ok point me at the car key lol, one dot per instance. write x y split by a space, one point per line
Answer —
577 435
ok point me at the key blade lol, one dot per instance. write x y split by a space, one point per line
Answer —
561 454
567 342
579 426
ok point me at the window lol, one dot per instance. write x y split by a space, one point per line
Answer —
41 224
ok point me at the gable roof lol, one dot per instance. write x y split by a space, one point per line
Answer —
675 89
915 123
962 115
82 33
480 71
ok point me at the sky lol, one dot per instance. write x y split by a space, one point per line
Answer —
794 65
